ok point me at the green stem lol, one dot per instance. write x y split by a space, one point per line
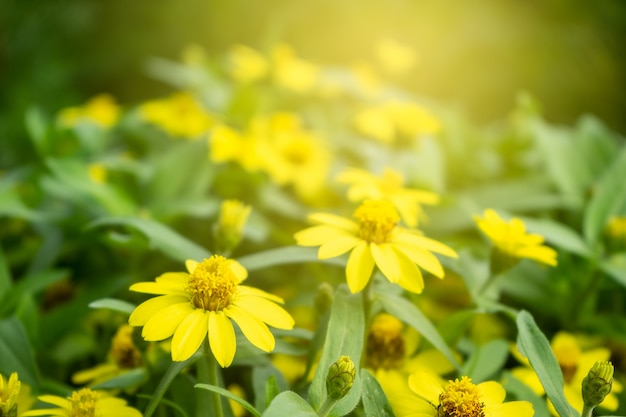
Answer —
587 411
577 307
207 373
326 407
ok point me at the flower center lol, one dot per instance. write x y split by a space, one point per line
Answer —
376 220
212 284
123 350
83 403
385 344
461 398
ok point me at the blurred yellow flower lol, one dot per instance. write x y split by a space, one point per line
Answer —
101 110
388 186
123 355
246 65
510 238
395 57
615 232
204 301
458 398
84 403
228 145
238 409
229 227
575 363
291 72
180 115
375 239
97 172
9 394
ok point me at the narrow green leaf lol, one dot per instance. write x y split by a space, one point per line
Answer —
174 369
560 235
36 126
5 274
346 329
16 354
486 360
160 236
534 345
225 393
290 404
608 198
615 267
411 315
283 256
374 400
113 304
271 390
267 383
128 379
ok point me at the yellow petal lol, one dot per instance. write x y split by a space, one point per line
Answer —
318 235
244 290
335 221
267 311
427 385
513 408
222 338
403 236
148 308
55 400
46 412
387 261
164 322
491 392
337 246
173 278
252 328
191 265
359 267
406 405
410 275
159 288
238 270
423 258
189 335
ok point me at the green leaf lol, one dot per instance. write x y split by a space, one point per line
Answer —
374 400
411 315
534 345
608 198
11 205
160 236
113 304
267 383
225 393
128 379
615 267
174 369
37 126
31 284
5 274
486 360
16 354
271 390
560 235
346 329
290 404
283 256
523 392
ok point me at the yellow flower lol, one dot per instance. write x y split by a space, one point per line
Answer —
458 398
97 172
510 238
388 186
101 110
84 403
123 355
575 363
229 228
394 57
615 234
375 239
226 145
9 393
179 115
291 72
204 301
246 65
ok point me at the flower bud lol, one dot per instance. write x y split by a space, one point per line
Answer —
229 228
340 378
598 383
9 391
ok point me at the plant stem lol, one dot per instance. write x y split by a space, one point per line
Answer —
326 407
587 411
207 373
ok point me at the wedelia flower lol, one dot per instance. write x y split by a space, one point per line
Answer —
85 403
375 239
206 301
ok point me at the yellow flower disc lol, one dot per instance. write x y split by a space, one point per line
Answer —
83 403
212 284
376 220
461 398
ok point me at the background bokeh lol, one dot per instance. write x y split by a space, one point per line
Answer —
475 56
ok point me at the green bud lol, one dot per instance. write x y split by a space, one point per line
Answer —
597 384
340 378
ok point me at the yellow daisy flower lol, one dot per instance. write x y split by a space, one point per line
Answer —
9 393
375 239
204 301
179 115
101 110
388 186
458 398
511 240
246 65
84 403
292 72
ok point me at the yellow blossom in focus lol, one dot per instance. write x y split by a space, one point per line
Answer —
204 302
575 362
458 398
373 238
394 57
101 110
388 186
510 238
180 115
291 72
246 65
85 403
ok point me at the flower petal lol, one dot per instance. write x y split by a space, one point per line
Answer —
147 309
427 385
222 338
189 335
512 408
337 246
423 258
359 267
318 235
160 288
491 392
252 328
387 261
404 236
244 290
334 220
173 278
55 400
267 311
238 270
410 275
164 322
191 265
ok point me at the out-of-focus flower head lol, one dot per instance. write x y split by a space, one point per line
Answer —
180 115
229 227
246 65
394 57
292 72
205 301
374 238
101 110
229 145
615 233
388 186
